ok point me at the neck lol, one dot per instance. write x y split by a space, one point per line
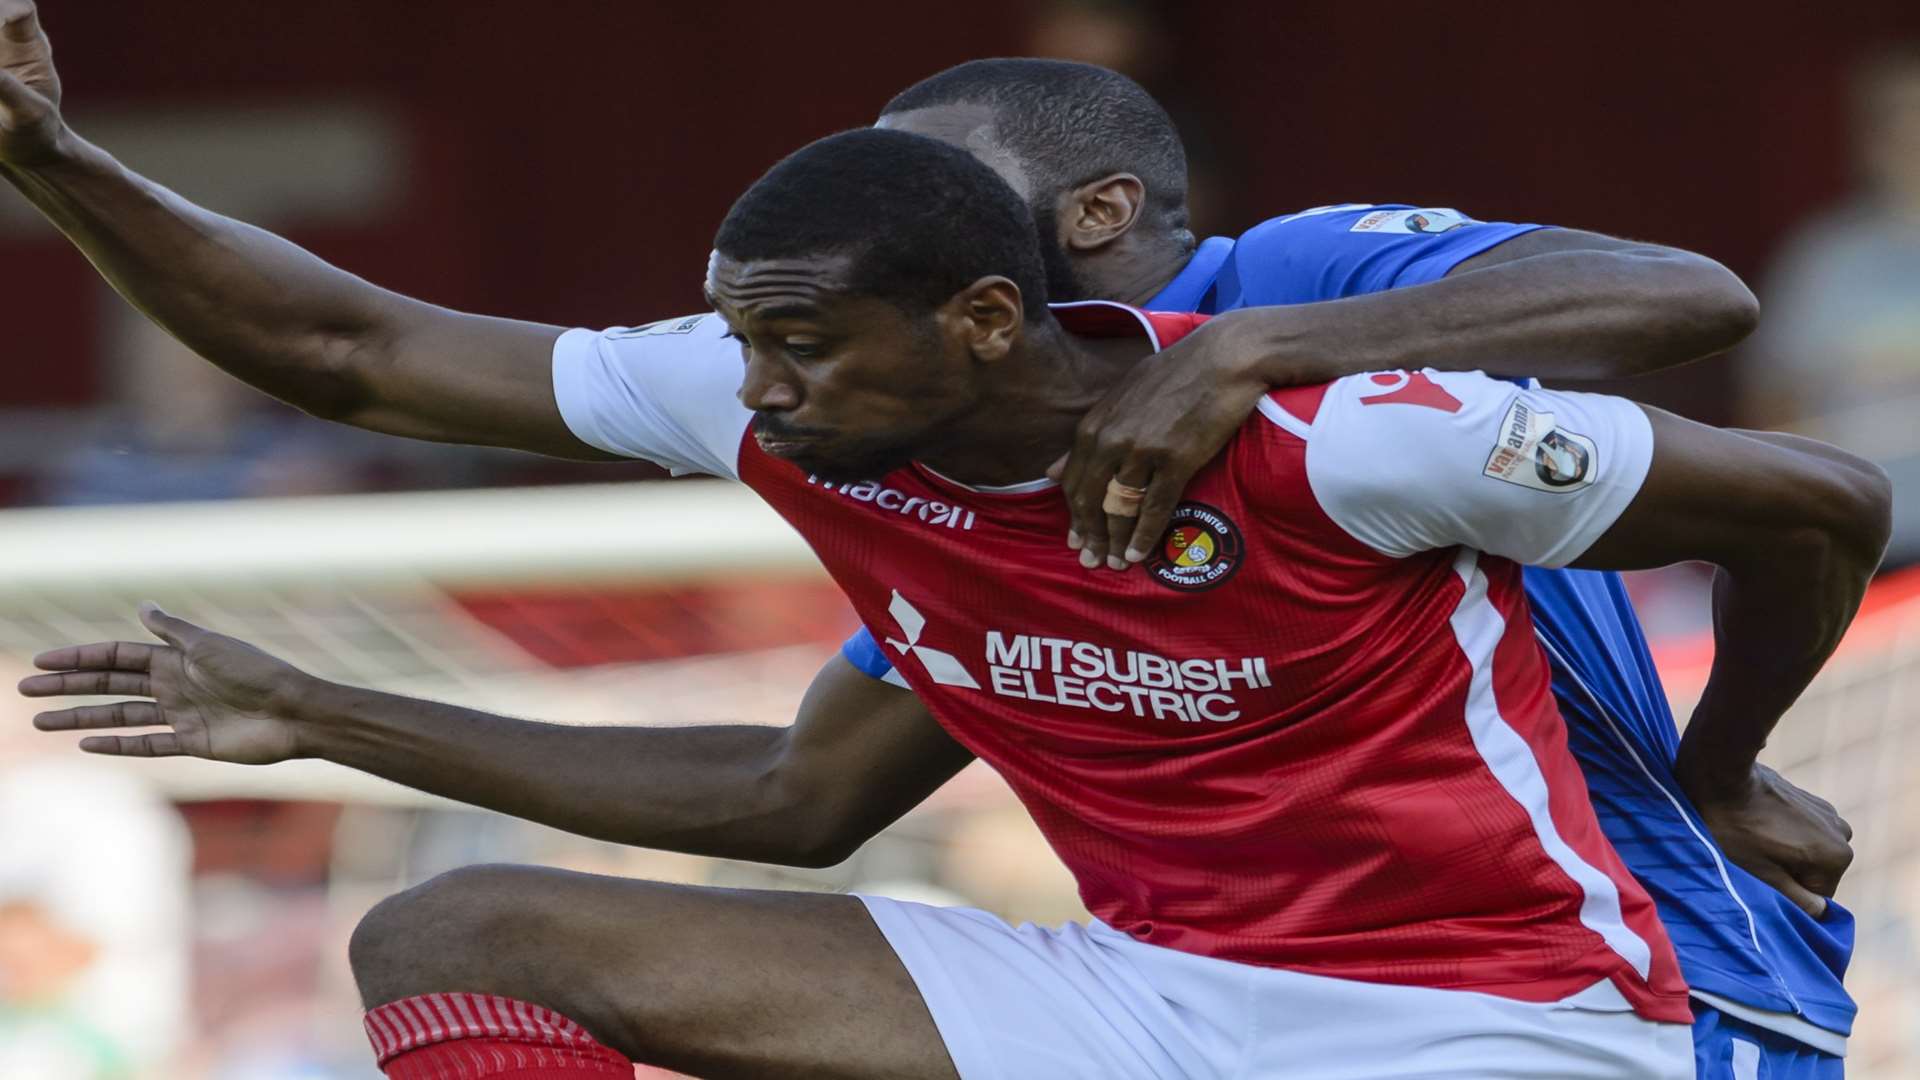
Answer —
1137 268
1027 418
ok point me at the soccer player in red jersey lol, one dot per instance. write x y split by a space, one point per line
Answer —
439 374
1311 778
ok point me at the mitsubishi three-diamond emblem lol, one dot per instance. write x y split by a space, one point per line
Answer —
943 667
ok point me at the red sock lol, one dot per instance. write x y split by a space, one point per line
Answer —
472 1036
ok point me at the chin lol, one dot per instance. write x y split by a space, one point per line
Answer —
852 468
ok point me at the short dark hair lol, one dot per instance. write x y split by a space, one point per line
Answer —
1068 123
921 220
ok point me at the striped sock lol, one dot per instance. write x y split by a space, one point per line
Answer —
472 1036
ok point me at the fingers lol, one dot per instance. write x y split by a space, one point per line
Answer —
72 683
1083 480
1822 870
1118 528
19 21
161 744
1156 512
16 96
120 714
100 656
176 632
1803 898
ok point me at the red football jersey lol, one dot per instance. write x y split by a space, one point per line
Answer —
1313 730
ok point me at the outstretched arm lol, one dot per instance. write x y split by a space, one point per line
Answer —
262 308
859 754
1552 303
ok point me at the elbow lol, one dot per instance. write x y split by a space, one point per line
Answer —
1728 312
1871 498
829 851
824 835
1854 521
799 824
1709 309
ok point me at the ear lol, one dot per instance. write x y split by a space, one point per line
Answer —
989 316
1098 213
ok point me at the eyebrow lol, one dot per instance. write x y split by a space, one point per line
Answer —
789 311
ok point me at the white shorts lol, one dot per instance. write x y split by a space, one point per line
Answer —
1089 1001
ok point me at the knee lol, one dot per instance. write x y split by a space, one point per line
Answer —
428 938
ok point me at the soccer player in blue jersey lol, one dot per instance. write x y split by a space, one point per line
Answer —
1764 957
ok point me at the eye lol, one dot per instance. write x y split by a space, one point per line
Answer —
805 350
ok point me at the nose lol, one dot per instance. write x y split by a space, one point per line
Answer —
767 387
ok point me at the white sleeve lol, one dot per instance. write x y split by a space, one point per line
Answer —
667 392
1409 462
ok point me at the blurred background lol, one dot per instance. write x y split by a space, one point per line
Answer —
568 162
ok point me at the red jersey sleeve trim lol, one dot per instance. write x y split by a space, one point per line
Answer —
1104 318
1294 408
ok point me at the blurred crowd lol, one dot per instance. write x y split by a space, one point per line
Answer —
1838 353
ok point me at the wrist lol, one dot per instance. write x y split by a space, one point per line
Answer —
314 710
1708 778
61 151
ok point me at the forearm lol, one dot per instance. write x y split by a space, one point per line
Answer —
258 306
1778 616
707 790
1569 314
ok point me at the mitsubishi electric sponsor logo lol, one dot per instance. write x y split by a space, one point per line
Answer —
931 511
1085 675
944 668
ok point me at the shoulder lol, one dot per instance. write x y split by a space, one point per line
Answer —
1348 249
666 391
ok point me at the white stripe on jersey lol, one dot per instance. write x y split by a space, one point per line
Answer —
1277 413
1478 626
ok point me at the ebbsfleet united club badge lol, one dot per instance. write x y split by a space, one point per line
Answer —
1202 548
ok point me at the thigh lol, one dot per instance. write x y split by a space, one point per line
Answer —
1071 1003
714 982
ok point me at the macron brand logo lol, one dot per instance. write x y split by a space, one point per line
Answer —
943 668
931 511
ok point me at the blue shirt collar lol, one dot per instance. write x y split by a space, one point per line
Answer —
1189 287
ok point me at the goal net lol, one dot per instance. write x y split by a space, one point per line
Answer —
1851 740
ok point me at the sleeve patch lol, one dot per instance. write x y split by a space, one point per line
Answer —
1422 222
1534 452
665 326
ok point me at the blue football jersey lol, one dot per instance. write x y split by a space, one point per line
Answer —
1741 943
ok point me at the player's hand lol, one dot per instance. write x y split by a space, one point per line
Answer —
1791 839
30 126
1162 423
218 697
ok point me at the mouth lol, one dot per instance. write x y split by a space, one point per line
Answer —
783 445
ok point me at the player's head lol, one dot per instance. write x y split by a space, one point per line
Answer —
1096 157
873 276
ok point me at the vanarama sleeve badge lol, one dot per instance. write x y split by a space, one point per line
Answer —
1533 452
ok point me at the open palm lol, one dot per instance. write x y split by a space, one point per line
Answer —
29 87
218 697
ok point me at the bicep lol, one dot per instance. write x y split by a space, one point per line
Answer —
447 376
1728 497
1544 241
862 752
